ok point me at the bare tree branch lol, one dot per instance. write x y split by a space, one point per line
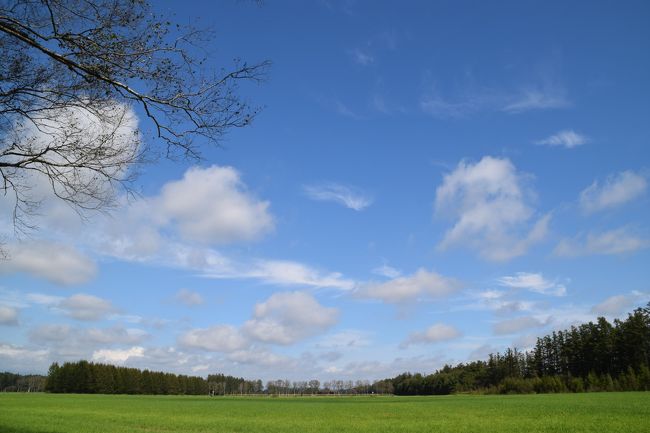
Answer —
73 72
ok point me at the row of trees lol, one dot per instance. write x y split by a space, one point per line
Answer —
89 378
599 356
11 382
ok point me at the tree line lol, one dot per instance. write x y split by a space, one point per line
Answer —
11 382
595 356
600 356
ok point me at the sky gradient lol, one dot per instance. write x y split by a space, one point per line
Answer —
427 183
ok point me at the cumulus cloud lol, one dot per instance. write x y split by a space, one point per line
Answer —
567 138
422 284
534 282
117 356
434 334
92 149
491 208
512 326
288 317
617 190
212 205
617 241
59 264
86 307
189 298
344 195
15 358
8 315
219 338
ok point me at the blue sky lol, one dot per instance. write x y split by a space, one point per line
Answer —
427 183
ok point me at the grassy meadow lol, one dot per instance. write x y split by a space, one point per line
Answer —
595 412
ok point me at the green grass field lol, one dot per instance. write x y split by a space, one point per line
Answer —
596 412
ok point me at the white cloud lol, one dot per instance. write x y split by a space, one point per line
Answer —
8 315
86 307
117 356
59 264
288 317
50 333
67 337
617 241
471 98
482 352
620 304
434 334
115 335
347 196
422 284
617 190
81 143
537 99
263 358
362 57
534 282
212 205
387 271
345 339
21 354
566 138
512 326
614 305
189 298
438 107
219 338
491 209
491 295
294 273
43 299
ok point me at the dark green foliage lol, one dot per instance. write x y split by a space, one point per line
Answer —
85 377
597 356
10 382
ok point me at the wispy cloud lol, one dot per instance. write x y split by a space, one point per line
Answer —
189 298
537 99
348 196
534 282
617 241
567 138
387 271
362 57
617 190
470 98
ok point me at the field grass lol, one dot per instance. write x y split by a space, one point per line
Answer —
596 412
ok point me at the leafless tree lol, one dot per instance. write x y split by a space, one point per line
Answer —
73 73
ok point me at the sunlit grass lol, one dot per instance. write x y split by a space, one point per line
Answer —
596 412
